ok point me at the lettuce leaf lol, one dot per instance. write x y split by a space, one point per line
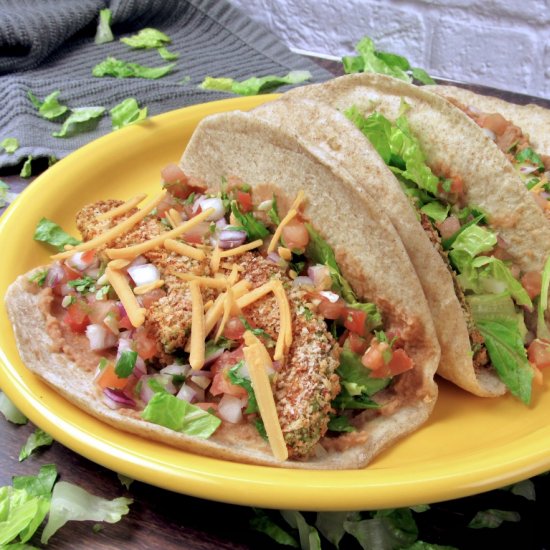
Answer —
262 523
508 356
124 69
492 518
542 328
245 383
309 536
10 411
436 211
10 144
26 169
49 232
38 438
254 228
49 108
148 38
103 32
173 413
127 112
70 502
81 119
254 85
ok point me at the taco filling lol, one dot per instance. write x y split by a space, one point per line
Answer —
496 297
203 311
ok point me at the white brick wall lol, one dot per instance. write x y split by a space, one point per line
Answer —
500 43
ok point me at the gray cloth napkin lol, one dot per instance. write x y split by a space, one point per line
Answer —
48 45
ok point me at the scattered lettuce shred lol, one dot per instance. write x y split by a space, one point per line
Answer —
50 233
148 38
10 411
127 112
4 189
254 85
26 169
371 60
308 535
178 415
70 502
49 108
125 69
262 523
542 328
10 145
238 380
492 518
39 438
81 119
104 33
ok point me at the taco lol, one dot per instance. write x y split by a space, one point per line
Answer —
478 215
192 320
519 131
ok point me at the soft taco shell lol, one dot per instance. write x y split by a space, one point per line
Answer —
334 140
397 292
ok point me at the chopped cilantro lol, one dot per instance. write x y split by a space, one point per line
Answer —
254 228
125 364
39 277
83 285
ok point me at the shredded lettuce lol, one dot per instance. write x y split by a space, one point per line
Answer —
254 228
331 525
173 413
10 411
37 439
70 502
262 523
147 38
4 189
127 112
81 119
309 536
374 61
124 69
472 241
542 328
104 33
397 146
26 169
436 211
492 518
49 108
49 232
254 85
9 144
24 505
504 343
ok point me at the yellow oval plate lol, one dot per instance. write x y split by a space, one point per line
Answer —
468 446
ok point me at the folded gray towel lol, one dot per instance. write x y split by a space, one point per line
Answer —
48 45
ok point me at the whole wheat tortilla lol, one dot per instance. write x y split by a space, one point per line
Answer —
532 119
335 141
261 154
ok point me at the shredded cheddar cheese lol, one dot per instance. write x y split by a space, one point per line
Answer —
209 282
119 264
234 275
184 249
215 260
241 249
285 253
120 284
216 311
286 316
255 294
257 366
144 289
289 216
175 217
111 234
198 335
122 209
227 307
137 249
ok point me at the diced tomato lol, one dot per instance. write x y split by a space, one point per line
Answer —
196 234
76 317
357 343
221 383
376 356
245 201
355 321
227 359
332 310
125 323
107 378
295 235
168 202
149 298
99 309
456 187
448 227
532 283
538 353
234 329
88 256
494 122
146 346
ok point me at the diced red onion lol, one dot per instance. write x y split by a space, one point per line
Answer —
100 337
229 409
332 297
528 168
231 238
186 393
448 227
144 274
176 370
77 262
221 223
209 359
146 392
199 392
277 260
119 398
303 281
55 275
320 275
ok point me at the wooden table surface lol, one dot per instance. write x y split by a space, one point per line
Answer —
157 518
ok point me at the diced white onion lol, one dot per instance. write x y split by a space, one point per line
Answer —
320 275
490 133
332 297
76 261
100 337
231 238
217 204
201 381
138 260
229 409
144 274
264 206
176 370
186 393
303 281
